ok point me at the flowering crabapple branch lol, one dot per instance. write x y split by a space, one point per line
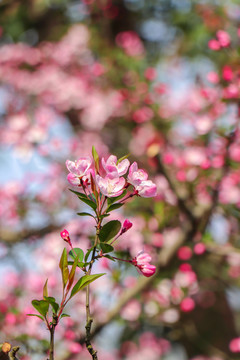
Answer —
103 189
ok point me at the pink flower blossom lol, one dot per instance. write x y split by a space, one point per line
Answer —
111 166
136 176
147 189
80 166
141 261
110 186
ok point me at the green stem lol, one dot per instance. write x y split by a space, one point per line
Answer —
89 319
52 332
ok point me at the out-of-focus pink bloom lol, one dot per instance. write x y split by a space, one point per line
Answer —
213 77
227 73
136 176
185 267
126 226
142 115
130 42
80 166
187 304
150 73
131 311
74 347
223 38
65 236
141 261
184 253
111 166
214 45
146 189
199 249
110 186
234 345
10 319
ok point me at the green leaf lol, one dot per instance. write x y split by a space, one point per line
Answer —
51 300
63 264
114 207
80 264
90 203
77 252
39 316
88 253
41 306
85 214
72 272
103 216
106 248
112 200
109 230
123 158
84 281
109 257
45 289
96 158
80 195
64 315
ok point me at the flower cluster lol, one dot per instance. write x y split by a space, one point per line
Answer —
112 183
105 189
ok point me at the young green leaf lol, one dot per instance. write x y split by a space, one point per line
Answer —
88 253
106 248
41 306
112 200
84 281
39 316
72 272
114 207
109 230
95 158
64 315
51 300
109 257
85 214
77 252
123 158
80 195
63 264
45 289
90 203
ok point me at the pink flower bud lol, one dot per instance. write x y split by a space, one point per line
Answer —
65 236
141 261
126 226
